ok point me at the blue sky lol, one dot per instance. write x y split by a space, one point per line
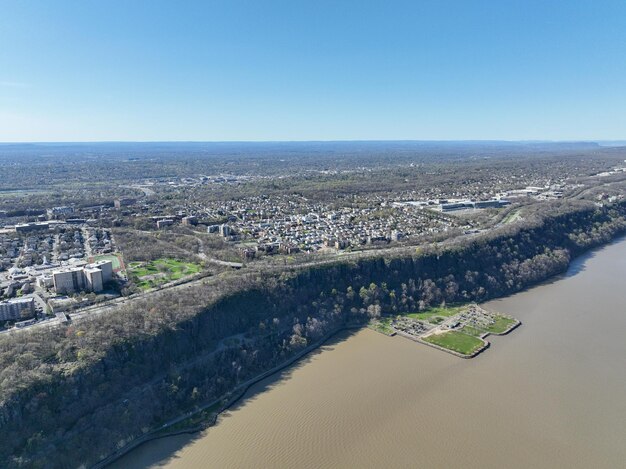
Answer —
312 70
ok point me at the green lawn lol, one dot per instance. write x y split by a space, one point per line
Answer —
152 274
502 324
456 341
432 314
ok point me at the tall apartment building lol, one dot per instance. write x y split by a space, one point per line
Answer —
17 309
107 269
91 277
69 280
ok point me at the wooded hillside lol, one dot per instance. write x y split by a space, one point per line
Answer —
72 395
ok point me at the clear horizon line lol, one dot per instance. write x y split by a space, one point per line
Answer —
480 140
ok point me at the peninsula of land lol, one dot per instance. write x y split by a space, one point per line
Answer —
459 330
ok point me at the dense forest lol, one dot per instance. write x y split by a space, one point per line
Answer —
72 395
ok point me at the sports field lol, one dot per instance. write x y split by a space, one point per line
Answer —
116 259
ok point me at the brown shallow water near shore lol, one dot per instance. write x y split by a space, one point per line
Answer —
551 394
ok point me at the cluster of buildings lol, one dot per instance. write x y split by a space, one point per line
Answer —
35 220
282 224
65 242
10 249
99 241
69 244
502 199
46 258
616 170
452 205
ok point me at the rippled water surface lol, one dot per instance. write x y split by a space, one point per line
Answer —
551 394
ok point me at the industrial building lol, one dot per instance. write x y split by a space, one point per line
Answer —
34 226
469 204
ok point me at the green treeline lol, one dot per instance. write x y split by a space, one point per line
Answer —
74 394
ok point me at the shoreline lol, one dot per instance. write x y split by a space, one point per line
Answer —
248 384
238 392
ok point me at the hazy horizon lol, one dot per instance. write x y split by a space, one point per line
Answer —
431 141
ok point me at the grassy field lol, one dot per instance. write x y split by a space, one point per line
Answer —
155 273
434 315
456 341
502 324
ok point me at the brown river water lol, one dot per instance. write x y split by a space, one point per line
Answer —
552 394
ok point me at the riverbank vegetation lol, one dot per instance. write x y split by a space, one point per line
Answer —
382 325
79 392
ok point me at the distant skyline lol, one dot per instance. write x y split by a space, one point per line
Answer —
312 71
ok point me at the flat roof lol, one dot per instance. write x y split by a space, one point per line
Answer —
19 300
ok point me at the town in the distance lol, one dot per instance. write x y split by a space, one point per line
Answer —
143 232
146 287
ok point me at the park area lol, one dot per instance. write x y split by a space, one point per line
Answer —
458 328
156 273
456 341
